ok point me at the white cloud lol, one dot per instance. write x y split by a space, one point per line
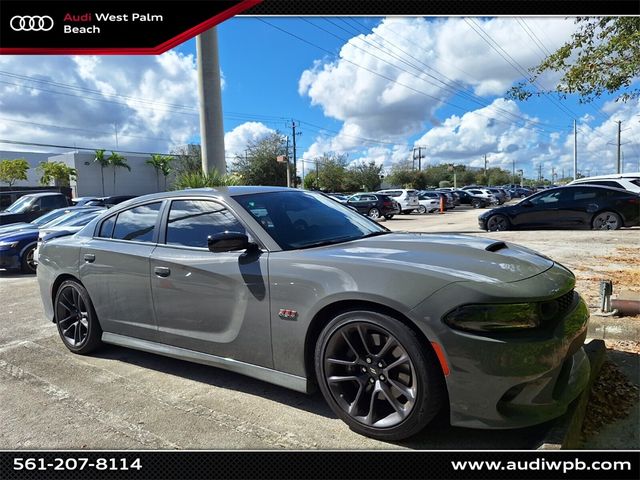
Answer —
236 141
166 116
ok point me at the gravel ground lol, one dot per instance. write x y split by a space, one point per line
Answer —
124 399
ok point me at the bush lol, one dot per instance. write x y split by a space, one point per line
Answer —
204 180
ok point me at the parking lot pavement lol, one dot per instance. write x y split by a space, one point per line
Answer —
120 398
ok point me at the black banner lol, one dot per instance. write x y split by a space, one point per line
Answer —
320 465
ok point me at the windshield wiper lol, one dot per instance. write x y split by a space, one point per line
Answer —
330 241
375 234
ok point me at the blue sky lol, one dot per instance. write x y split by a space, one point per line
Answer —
379 86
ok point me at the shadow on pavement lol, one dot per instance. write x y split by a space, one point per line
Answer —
438 435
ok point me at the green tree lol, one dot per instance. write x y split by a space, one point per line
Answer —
331 172
187 158
200 179
162 165
13 170
103 162
603 55
365 175
58 172
260 165
310 182
117 161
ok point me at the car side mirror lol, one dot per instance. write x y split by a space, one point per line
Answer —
228 242
35 208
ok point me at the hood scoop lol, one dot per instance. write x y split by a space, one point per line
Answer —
496 246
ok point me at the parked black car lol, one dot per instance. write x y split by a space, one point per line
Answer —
374 205
29 207
475 201
600 208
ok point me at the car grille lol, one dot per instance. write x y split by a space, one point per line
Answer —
558 307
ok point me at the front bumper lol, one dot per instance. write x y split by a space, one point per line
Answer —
516 379
10 259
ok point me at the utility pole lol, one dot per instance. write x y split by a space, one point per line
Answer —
563 172
485 163
211 126
288 169
539 172
553 175
513 172
619 164
295 155
419 149
115 128
317 174
575 150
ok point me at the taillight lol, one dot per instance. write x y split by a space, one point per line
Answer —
387 204
634 201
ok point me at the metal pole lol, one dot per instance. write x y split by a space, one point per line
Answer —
211 126
575 150
619 168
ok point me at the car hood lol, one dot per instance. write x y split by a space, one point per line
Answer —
13 227
20 235
452 258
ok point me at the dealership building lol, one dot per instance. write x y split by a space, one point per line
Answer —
140 180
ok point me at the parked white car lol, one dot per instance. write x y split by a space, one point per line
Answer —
627 181
408 199
484 193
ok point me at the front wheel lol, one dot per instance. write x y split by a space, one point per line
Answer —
76 319
377 376
476 204
422 209
27 261
497 223
606 221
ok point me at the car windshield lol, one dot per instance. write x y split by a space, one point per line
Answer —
21 205
66 218
304 219
44 219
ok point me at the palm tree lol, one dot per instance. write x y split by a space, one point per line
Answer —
104 162
156 161
117 161
162 164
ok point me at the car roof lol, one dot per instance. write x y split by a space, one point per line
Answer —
42 194
609 177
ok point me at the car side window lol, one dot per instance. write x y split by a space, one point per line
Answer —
137 223
585 194
106 229
51 202
549 198
192 221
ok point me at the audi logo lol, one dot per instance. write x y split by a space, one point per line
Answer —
31 23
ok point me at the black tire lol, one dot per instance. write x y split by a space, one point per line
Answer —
388 217
371 411
27 264
476 204
606 221
422 209
76 318
497 223
374 213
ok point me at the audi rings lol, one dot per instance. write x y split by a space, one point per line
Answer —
31 23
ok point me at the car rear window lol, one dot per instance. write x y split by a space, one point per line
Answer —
137 223
393 193
636 182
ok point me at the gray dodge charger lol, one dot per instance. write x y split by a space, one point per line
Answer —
293 288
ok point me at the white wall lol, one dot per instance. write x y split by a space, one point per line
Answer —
139 181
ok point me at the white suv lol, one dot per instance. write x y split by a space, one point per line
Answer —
627 181
408 199
484 193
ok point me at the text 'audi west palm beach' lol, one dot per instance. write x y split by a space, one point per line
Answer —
293 288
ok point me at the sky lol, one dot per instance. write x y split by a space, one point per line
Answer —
369 88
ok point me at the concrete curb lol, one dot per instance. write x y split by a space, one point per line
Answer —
613 328
565 434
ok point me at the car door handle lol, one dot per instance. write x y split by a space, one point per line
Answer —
162 271
89 257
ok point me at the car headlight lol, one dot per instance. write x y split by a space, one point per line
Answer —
8 244
496 317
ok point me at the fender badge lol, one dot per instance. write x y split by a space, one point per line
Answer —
286 314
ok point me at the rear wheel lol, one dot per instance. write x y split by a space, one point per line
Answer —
76 319
476 203
374 213
422 209
388 217
497 223
27 262
376 376
606 221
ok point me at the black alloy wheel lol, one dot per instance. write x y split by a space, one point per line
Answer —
377 377
497 223
27 262
76 319
606 221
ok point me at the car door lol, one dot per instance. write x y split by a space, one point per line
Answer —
216 303
541 210
581 203
114 268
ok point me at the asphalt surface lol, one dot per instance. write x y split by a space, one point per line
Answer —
124 399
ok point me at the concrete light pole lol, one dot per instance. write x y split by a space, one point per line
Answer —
209 90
